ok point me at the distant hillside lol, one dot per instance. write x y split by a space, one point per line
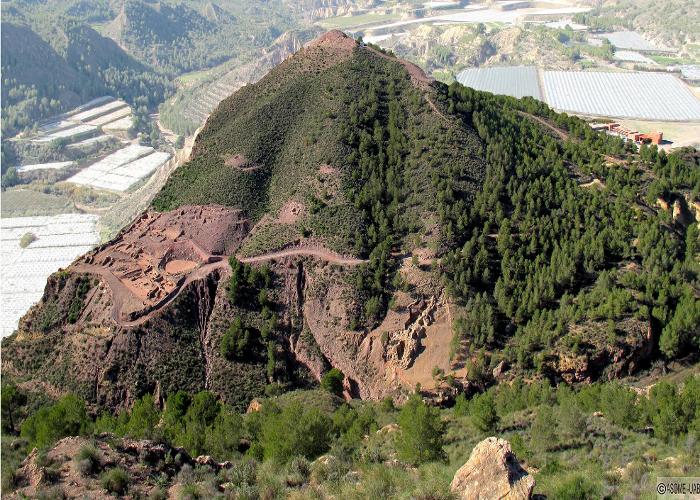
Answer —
179 38
672 23
58 65
37 81
187 110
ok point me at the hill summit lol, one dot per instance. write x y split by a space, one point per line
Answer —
347 212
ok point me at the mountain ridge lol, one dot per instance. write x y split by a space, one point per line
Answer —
476 247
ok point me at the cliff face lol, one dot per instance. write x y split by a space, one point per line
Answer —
113 352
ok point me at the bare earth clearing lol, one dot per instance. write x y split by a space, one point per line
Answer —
149 264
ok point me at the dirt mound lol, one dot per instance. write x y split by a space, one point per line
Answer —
150 261
240 162
335 40
291 212
492 472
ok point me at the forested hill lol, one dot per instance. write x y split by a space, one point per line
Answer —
59 53
547 249
178 38
339 222
50 67
561 264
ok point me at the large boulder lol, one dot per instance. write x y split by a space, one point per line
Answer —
492 472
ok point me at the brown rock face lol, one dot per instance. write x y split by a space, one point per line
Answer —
492 472
632 349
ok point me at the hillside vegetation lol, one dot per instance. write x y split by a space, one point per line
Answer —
535 259
50 65
562 262
600 441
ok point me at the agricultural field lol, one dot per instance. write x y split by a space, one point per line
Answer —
476 13
345 22
632 56
122 169
516 81
27 202
633 95
32 248
85 124
186 111
649 96
631 40
56 165
71 134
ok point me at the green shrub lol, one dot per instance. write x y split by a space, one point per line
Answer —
12 400
115 481
543 432
236 341
667 412
421 435
332 381
76 305
224 435
190 492
88 460
27 239
618 404
576 487
67 417
143 419
571 418
483 413
295 431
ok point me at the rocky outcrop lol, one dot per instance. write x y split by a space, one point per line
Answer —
313 10
402 345
61 470
492 472
595 356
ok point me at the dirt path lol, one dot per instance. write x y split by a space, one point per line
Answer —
319 252
559 132
121 295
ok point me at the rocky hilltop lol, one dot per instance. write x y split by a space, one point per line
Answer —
331 216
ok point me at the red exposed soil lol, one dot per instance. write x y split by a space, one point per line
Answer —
151 262
147 264
291 212
327 170
319 252
241 163
334 40
178 266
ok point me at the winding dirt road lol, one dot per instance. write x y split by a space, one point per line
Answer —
319 252
121 295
